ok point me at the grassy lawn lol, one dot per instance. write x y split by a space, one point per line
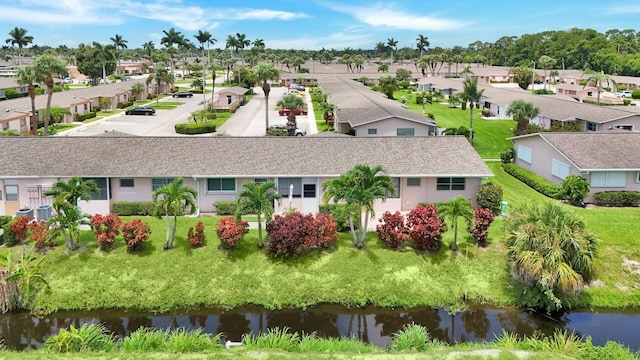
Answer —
490 136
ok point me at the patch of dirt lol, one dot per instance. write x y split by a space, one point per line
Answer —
622 287
595 284
631 265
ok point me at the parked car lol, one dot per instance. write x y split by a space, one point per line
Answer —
298 132
141 110
183 94
297 87
623 94
295 92
537 81
296 112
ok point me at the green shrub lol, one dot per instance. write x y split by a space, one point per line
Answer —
5 219
618 198
626 101
39 91
535 181
413 338
635 94
277 131
340 215
199 128
575 189
12 93
82 117
135 208
225 208
489 196
89 337
611 350
507 155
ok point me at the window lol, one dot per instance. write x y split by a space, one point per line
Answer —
591 126
396 187
524 153
102 184
405 132
5 126
637 180
126 183
157 183
309 191
624 127
284 183
86 107
260 180
559 169
372 131
609 179
221 184
450 184
11 192
413 181
23 122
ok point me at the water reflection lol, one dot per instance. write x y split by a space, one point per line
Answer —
371 325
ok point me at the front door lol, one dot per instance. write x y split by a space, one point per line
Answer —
309 198
11 203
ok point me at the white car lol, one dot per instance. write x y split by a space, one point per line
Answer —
623 94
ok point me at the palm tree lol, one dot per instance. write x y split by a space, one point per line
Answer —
422 43
104 54
546 62
136 89
453 209
241 43
380 49
19 37
597 78
264 72
360 187
27 76
58 113
172 200
213 67
205 37
258 199
76 188
66 222
471 94
47 66
149 47
119 43
550 250
522 111
171 38
392 43
160 75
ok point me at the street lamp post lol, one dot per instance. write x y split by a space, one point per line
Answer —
533 76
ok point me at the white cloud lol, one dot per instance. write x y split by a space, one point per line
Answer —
332 41
388 17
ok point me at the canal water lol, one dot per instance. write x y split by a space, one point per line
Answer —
22 331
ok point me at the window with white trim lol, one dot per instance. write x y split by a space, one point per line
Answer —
284 183
608 179
102 184
559 169
524 153
450 184
591 126
405 132
157 183
372 131
127 183
413 181
221 184
396 187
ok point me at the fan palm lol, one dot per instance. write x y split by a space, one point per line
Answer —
597 78
258 199
172 200
522 111
454 209
160 76
27 76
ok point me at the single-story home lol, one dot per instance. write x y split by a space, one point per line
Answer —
607 160
229 98
130 168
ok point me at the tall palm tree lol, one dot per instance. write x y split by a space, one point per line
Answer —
148 48
27 76
47 67
454 209
392 43
242 42
172 200
422 43
264 72
360 187
546 62
104 54
213 67
597 78
258 199
160 75
169 40
550 250
380 49
19 37
119 43
522 111
205 37
471 94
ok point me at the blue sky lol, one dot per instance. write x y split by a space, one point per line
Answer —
309 24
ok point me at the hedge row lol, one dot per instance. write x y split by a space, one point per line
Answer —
192 129
618 198
225 208
135 208
82 117
536 182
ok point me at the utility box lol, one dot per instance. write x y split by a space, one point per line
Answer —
25 212
504 210
43 212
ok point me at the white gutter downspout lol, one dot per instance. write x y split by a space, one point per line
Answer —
198 197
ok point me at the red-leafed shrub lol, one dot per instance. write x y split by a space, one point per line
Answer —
106 228
230 231
196 239
481 222
392 229
15 232
135 233
425 227
294 233
39 234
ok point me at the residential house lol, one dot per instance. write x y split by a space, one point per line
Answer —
607 160
230 98
11 83
581 93
129 168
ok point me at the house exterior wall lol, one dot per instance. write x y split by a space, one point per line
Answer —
389 127
633 121
542 155
632 184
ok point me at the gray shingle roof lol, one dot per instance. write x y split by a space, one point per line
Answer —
229 156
